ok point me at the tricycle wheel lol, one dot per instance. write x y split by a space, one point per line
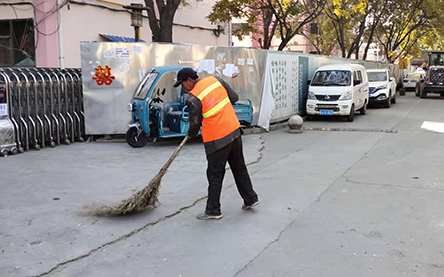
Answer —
134 139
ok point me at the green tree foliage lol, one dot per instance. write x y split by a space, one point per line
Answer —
402 27
265 18
378 12
349 18
408 23
320 35
258 17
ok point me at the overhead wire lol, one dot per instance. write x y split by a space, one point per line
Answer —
21 44
25 35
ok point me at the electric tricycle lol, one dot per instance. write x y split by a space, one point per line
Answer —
158 109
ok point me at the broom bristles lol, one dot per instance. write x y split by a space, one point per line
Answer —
139 201
142 199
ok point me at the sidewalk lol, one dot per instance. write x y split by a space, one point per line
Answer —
332 204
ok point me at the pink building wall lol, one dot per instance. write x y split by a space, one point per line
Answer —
46 34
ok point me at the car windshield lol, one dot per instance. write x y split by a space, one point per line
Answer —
332 78
436 59
414 76
377 76
145 85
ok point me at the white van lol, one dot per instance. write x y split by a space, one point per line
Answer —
339 89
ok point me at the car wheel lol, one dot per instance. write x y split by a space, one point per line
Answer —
423 94
394 99
441 94
134 139
417 90
351 116
363 110
388 102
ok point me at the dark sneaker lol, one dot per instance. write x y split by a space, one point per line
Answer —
246 207
205 216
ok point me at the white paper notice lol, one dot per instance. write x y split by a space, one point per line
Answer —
3 110
108 54
142 73
229 70
241 61
122 53
137 50
250 61
125 65
207 65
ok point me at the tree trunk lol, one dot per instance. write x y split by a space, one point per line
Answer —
152 19
167 31
369 41
355 45
267 17
283 43
373 27
162 29
341 38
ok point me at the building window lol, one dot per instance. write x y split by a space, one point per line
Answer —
17 47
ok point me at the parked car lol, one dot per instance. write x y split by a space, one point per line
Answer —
411 79
382 87
338 90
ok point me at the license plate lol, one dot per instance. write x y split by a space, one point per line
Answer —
3 110
326 112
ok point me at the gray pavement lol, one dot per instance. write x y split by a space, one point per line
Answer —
332 204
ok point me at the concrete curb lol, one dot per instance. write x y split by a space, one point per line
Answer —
258 130
390 131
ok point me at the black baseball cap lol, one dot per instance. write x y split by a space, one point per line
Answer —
184 74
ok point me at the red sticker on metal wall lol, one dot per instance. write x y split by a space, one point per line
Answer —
103 76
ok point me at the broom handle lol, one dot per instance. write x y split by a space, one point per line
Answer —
175 154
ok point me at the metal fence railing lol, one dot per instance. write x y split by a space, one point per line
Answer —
44 107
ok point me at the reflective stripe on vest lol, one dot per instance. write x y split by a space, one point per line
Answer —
219 117
209 89
217 108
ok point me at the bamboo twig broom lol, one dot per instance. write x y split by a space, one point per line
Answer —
142 199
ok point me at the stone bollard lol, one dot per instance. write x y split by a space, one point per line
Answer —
295 124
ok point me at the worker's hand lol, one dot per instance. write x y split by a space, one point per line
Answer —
188 136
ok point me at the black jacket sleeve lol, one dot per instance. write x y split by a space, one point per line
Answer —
195 110
234 96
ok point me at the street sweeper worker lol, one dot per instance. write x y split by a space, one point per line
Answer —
209 104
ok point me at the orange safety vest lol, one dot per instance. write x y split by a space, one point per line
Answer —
219 118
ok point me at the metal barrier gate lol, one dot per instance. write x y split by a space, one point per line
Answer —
44 108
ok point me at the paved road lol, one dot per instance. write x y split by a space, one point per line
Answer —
332 204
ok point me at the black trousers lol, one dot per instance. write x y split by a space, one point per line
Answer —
233 154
